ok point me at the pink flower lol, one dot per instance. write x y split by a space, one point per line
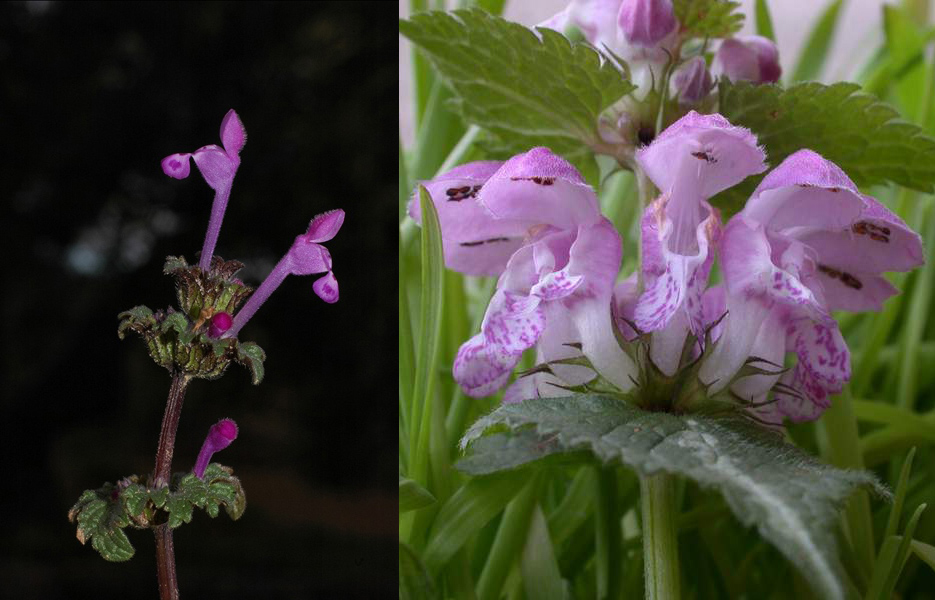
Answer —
807 242
691 82
220 436
748 58
218 167
634 29
557 258
646 22
690 161
306 257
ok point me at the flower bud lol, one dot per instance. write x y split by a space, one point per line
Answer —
220 323
646 22
219 437
748 58
691 81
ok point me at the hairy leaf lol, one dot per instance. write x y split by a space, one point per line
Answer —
862 135
528 88
792 498
251 356
217 488
709 18
101 518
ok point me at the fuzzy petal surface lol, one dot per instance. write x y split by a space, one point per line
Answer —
327 288
325 226
473 241
540 188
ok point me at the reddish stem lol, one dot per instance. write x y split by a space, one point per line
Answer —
165 552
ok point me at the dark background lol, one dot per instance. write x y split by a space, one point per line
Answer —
92 97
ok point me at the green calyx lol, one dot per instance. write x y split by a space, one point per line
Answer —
178 339
103 514
681 393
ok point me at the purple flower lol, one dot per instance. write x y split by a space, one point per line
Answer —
306 257
748 58
646 22
634 29
692 160
537 223
220 436
218 166
220 323
691 82
807 242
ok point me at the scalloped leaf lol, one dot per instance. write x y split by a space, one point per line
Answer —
101 518
174 263
218 488
861 134
136 319
176 321
793 499
252 356
532 89
708 18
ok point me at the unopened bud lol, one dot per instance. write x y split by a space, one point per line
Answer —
748 58
692 81
646 22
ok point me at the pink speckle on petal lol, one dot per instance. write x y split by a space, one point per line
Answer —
327 288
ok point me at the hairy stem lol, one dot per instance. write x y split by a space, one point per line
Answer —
660 537
165 552
165 563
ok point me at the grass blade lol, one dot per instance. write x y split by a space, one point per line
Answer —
412 496
429 337
466 512
892 523
813 55
541 577
764 22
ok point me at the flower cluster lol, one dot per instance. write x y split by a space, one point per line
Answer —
646 34
806 243
199 336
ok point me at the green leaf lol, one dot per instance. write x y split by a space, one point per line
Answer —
413 496
527 89
892 559
793 499
137 318
813 55
101 518
176 321
541 577
708 18
173 264
764 22
862 135
892 523
252 356
925 552
432 294
415 583
217 488
501 451
466 512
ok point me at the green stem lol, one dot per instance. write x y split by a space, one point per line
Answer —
660 537
508 543
608 558
843 450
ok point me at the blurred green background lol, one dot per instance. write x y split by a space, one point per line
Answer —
92 97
